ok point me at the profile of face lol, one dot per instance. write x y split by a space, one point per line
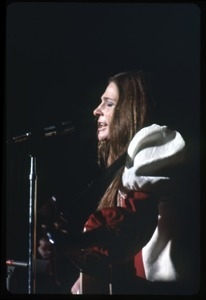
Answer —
104 112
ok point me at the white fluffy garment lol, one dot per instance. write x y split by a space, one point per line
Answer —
152 152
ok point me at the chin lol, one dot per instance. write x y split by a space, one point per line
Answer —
102 137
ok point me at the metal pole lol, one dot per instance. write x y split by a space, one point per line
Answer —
32 227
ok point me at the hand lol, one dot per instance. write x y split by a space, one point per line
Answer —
45 248
76 287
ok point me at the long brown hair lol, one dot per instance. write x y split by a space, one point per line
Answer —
130 115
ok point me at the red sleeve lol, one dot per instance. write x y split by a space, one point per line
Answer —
123 231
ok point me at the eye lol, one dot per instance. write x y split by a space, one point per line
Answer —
110 103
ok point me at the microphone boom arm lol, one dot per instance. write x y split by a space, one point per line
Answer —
49 131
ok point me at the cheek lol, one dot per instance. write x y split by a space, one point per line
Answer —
109 117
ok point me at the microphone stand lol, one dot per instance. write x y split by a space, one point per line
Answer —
62 129
32 226
32 211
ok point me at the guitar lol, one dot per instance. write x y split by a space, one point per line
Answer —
56 230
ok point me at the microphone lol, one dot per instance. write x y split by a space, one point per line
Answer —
11 262
41 265
49 131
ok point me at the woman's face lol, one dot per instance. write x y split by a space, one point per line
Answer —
105 111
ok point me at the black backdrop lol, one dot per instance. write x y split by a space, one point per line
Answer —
58 57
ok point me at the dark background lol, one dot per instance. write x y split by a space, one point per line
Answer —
58 57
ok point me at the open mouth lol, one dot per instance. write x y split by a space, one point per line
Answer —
101 125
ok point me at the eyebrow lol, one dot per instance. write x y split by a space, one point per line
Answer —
108 98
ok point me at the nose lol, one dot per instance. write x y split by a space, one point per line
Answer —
97 111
